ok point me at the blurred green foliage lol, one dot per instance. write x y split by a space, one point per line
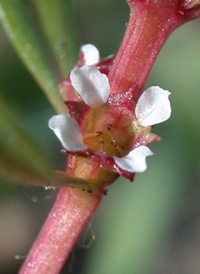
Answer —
21 158
151 225
47 46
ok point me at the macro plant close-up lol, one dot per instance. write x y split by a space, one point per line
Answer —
84 102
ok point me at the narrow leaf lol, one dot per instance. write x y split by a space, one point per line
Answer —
44 55
56 179
60 179
21 159
60 32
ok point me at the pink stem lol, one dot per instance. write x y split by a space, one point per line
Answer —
150 24
71 211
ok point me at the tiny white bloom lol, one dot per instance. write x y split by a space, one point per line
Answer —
135 161
91 54
153 106
91 84
68 132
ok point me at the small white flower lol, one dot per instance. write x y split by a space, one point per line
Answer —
153 106
90 53
91 84
68 132
135 161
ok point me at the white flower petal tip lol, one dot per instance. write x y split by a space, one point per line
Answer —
68 132
135 161
153 106
91 84
90 53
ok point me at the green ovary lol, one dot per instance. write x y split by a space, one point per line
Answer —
109 130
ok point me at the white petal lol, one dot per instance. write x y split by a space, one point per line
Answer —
90 53
68 132
91 84
135 161
153 106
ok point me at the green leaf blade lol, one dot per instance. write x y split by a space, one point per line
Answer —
42 47
21 158
57 21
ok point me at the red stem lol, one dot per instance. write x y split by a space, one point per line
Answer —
71 211
150 24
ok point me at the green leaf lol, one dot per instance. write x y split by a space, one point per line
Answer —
21 159
60 32
60 179
47 49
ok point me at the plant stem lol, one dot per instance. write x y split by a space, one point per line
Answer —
72 209
150 24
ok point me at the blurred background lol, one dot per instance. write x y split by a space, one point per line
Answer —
149 226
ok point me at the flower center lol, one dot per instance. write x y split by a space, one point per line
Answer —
109 130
